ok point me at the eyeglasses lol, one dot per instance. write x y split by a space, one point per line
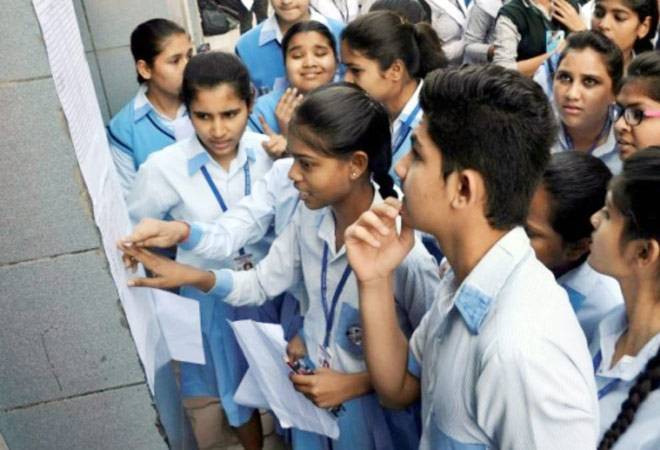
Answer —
632 114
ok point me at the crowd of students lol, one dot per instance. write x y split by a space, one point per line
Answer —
308 180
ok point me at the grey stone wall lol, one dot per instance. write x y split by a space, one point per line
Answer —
70 377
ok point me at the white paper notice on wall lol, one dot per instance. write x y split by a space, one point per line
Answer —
148 311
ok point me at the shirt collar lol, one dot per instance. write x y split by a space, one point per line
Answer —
271 30
605 148
476 294
199 156
142 106
410 105
627 368
577 283
326 225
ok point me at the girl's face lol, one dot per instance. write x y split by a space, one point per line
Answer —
546 242
290 11
310 61
165 74
647 133
583 90
618 22
322 180
608 255
365 73
219 117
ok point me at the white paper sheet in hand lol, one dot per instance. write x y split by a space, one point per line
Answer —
264 348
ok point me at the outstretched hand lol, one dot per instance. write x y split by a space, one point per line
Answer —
564 12
275 146
374 246
167 273
286 106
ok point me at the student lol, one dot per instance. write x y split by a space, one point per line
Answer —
587 79
504 363
339 138
559 228
527 32
198 179
631 24
261 47
480 31
376 49
626 352
161 49
340 10
310 58
637 112
388 57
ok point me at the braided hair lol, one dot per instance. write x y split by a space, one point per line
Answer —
646 382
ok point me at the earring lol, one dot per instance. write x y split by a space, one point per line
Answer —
354 175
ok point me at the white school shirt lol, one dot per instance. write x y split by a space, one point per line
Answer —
412 114
341 10
296 256
180 126
449 19
644 432
608 151
273 201
171 183
504 361
592 296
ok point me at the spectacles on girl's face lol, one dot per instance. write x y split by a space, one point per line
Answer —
632 114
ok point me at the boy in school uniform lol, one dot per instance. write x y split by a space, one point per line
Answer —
261 47
499 359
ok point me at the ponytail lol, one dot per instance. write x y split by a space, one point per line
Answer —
339 119
430 49
646 382
385 36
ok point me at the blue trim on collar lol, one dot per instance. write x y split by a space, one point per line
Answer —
196 162
141 112
249 153
266 35
473 306
576 298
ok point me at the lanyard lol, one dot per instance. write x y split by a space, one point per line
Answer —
330 312
218 195
603 131
609 387
404 130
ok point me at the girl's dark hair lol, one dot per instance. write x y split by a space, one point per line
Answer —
385 36
635 192
598 42
208 70
411 10
644 9
308 26
577 184
340 118
646 382
645 70
147 40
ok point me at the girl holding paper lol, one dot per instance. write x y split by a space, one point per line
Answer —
339 139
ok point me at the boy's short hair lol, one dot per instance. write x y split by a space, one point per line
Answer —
494 121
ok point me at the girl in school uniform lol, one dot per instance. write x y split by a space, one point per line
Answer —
573 188
310 58
626 351
340 142
388 57
200 178
585 84
261 47
527 32
155 117
637 110
630 24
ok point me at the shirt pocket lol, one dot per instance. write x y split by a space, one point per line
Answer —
348 334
